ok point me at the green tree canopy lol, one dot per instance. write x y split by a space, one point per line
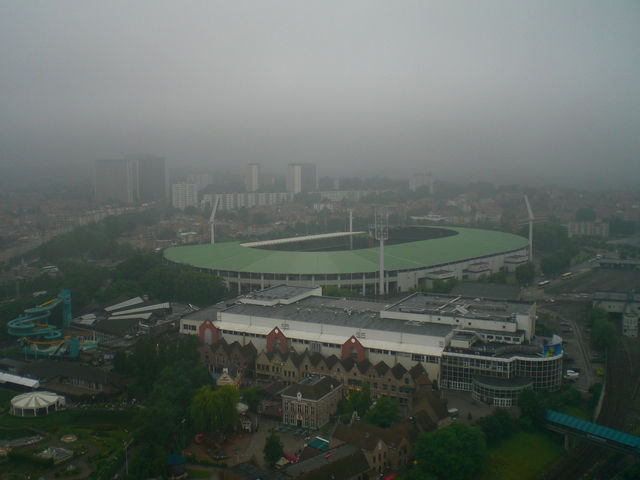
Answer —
603 334
456 452
273 449
383 413
585 214
596 314
531 407
214 408
555 263
525 273
142 274
251 396
498 426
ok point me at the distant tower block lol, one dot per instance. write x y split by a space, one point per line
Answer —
419 180
252 177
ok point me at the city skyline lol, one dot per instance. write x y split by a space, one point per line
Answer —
543 93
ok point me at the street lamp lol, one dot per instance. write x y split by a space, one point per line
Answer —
126 460
127 444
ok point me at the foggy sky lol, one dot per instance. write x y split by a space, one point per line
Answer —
489 90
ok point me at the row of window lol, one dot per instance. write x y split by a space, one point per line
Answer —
425 358
299 408
546 374
250 335
316 347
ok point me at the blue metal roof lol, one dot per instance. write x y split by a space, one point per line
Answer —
594 429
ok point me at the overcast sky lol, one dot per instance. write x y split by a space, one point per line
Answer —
481 89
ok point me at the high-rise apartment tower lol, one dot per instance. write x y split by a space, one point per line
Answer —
302 177
252 177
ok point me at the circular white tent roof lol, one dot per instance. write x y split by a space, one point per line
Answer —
35 400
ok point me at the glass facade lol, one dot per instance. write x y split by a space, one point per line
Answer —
498 394
459 369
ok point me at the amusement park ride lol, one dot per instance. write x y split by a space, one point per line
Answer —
40 338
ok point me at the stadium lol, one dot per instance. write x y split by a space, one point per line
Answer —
413 257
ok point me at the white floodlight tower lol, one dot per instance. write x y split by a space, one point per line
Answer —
213 217
382 233
530 218
351 229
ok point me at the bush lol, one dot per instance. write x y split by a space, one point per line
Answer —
498 426
28 457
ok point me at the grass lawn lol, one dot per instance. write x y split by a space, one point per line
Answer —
197 473
512 460
579 411
100 435
88 418
5 396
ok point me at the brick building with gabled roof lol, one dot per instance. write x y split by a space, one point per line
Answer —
311 402
220 355
384 448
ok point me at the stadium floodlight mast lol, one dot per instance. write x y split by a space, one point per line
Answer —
213 217
381 234
351 229
530 218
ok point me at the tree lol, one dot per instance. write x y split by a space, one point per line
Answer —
603 334
228 396
498 426
585 214
555 263
251 397
456 452
531 407
259 218
525 273
202 409
497 277
594 315
273 449
444 286
214 408
383 413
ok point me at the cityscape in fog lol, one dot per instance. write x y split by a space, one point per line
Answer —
512 93
312 240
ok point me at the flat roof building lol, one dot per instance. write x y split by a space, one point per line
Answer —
453 338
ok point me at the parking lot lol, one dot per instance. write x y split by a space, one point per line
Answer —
243 447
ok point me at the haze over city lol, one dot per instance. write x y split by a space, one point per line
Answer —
542 92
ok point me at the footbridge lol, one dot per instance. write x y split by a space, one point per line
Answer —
605 436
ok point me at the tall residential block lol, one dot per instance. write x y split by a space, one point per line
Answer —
116 180
421 180
252 177
184 195
153 179
202 180
302 177
126 180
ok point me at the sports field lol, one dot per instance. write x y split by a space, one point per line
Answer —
463 244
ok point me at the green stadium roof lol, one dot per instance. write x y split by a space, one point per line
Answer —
232 256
